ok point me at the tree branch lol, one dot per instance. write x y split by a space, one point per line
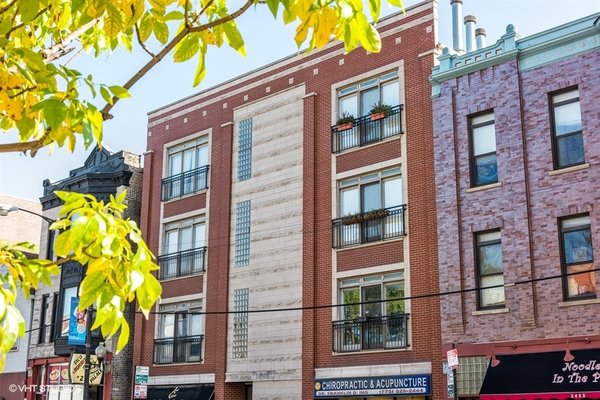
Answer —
52 53
23 147
19 26
7 7
143 46
167 49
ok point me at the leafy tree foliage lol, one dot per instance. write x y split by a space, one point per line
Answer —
44 102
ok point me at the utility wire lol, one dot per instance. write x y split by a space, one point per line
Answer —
414 297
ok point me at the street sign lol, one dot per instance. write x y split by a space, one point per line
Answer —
452 358
450 384
141 375
140 392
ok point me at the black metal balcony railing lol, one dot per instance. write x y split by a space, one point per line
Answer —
365 131
183 349
371 226
185 183
181 263
371 333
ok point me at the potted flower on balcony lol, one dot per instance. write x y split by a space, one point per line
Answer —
345 121
375 214
351 219
379 111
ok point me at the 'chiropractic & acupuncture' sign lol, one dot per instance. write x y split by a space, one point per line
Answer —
374 385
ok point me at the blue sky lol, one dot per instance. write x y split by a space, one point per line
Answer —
267 40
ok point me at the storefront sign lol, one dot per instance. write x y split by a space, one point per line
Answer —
378 385
77 324
76 369
543 376
192 392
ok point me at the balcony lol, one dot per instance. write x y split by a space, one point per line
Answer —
185 183
183 349
370 226
371 333
365 131
182 263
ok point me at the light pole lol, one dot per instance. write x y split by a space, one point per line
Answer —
7 208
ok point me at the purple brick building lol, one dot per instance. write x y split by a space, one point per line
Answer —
517 161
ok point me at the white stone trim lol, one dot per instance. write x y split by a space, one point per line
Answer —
181 379
373 370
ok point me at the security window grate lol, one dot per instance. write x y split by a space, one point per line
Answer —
470 375
245 150
240 323
242 233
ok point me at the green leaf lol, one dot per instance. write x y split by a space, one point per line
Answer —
234 37
28 9
375 8
88 133
33 59
106 94
273 6
123 336
161 31
113 20
187 48
397 3
145 27
174 16
55 112
119 91
201 67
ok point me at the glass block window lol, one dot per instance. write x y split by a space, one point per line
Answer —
242 233
245 150
240 323
470 375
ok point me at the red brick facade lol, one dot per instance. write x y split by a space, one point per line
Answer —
408 40
526 205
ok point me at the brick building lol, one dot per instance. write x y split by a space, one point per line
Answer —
257 198
15 227
103 173
517 160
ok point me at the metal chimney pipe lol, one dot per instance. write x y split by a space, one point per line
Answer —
480 38
457 37
470 22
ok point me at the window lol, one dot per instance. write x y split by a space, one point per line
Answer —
370 208
240 323
567 134
180 330
68 295
242 233
484 168
577 258
470 375
359 98
373 315
187 169
43 313
54 316
245 150
490 270
184 248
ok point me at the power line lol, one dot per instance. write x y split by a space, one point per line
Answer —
414 297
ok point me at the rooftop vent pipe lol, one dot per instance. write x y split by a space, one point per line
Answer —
480 38
457 40
470 22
